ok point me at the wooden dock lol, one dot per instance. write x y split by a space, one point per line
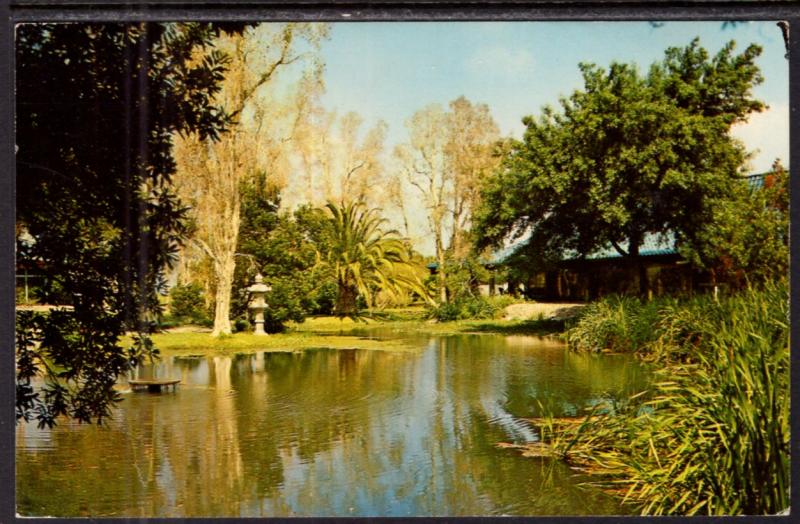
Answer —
153 385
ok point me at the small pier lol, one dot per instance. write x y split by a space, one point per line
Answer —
153 385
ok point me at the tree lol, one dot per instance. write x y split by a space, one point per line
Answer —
627 156
425 168
282 246
97 105
747 242
365 258
337 163
212 173
447 155
472 138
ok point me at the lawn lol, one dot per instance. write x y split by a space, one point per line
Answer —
332 332
193 343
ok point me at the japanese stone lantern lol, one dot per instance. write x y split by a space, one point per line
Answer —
257 303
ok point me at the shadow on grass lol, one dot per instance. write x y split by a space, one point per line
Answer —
522 327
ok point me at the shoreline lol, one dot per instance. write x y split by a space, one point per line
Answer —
332 333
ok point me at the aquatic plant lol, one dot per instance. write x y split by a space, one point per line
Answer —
614 323
711 436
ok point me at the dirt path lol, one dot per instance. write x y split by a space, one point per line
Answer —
554 310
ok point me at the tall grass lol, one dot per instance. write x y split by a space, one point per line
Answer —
711 436
614 323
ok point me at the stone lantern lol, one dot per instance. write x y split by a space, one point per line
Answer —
257 303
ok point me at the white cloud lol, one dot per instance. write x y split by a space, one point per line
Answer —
767 135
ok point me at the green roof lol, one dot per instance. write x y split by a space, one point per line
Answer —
652 245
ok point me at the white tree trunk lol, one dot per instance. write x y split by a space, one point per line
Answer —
222 302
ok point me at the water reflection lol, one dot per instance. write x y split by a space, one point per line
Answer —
329 433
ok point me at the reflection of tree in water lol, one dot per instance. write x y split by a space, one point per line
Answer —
321 432
312 420
198 442
566 383
46 477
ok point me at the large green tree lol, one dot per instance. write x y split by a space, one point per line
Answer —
97 105
630 154
282 246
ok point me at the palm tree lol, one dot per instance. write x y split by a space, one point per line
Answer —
366 258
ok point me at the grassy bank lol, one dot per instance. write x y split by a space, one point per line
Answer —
331 332
711 436
196 343
422 326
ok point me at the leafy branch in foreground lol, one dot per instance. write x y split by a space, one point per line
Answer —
97 106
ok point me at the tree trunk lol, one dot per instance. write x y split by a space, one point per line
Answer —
644 281
346 299
638 266
440 270
222 299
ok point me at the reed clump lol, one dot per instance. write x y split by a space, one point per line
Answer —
613 324
711 434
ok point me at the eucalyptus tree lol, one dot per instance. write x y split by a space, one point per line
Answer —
630 154
337 162
213 174
444 162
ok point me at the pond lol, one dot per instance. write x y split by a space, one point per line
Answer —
331 433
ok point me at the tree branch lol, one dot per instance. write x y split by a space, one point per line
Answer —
356 168
266 76
619 249
202 245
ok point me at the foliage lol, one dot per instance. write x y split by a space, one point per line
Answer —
464 275
628 155
97 105
713 434
187 303
290 299
471 307
748 237
212 173
283 247
339 160
615 323
365 258
447 156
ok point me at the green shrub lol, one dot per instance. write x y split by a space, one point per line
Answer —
325 298
187 305
447 312
500 302
471 307
241 324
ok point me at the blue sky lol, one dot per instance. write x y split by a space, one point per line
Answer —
390 70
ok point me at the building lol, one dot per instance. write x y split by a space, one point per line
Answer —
606 271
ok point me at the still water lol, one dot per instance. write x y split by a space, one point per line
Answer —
331 433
